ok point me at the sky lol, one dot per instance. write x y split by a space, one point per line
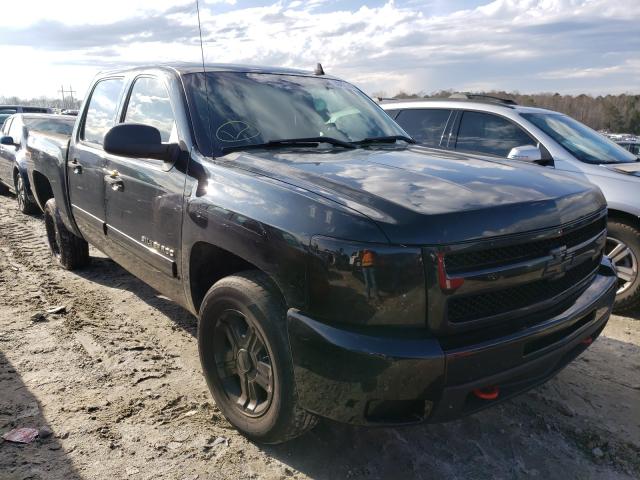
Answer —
565 46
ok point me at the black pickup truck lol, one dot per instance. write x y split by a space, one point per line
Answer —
336 269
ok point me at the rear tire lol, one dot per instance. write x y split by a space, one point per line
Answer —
623 247
245 356
25 204
70 251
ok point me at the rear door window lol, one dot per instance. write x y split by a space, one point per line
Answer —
425 125
489 134
101 113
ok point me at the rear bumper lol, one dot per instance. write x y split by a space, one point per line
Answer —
371 380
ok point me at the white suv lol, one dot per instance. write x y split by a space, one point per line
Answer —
496 127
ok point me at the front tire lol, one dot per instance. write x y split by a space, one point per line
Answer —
70 251
246 360
25 204
623 247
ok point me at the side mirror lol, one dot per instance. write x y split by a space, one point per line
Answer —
527 153
7 140
139 141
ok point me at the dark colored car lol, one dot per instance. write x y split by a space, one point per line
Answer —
7 110
13 147
335 268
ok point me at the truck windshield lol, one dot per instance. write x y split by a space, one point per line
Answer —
236 109
579 140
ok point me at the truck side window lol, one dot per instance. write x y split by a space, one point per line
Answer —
425 125
149 104
486 133
102 110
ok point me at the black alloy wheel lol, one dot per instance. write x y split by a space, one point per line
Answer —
243 362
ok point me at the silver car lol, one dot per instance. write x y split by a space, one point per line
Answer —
501 128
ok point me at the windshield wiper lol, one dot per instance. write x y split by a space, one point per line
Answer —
290 142
388 139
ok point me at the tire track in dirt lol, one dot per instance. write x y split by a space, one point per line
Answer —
120 358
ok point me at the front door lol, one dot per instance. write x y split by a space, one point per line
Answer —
144 196
86 160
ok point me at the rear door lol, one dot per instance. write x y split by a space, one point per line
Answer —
144 196
426 125
86 159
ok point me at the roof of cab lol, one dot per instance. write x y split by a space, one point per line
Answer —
183 68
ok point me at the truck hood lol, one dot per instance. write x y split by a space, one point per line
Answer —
421 196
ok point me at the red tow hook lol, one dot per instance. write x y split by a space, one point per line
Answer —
487 393
587 341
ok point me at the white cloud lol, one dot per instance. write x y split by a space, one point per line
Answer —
528 45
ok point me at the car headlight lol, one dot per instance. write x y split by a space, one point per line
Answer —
366 283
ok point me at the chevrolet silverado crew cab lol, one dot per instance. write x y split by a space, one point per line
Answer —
499 127
336 269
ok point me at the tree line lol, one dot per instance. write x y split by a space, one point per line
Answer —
42 102
614 113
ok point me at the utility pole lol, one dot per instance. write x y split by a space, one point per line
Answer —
71 92
62 91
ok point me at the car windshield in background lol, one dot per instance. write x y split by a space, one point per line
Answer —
583 143
62 125
246 109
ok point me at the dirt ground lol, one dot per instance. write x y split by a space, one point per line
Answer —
115 386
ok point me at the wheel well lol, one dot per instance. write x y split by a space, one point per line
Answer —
41 188
627 217
207 265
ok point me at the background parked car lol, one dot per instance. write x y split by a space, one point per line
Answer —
632 145
13 141
7 110
501 128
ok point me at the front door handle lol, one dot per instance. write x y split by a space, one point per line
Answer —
116 185
77 168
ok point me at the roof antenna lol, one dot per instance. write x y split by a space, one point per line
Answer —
204 70
319 70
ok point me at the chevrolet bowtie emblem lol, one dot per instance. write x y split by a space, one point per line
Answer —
561 260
